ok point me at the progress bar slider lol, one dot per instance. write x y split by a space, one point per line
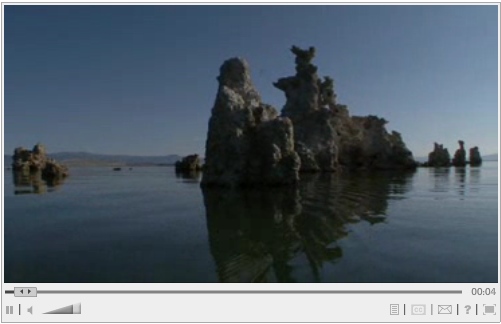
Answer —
25 292
71 309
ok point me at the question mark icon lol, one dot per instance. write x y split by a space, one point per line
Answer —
468 307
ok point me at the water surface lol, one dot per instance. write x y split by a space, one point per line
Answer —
149 225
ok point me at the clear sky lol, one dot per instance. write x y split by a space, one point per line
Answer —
142 79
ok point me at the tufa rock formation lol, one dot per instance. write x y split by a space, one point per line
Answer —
325 135
460 155
247 143
190 163
439 157
36 160
475 158
308 102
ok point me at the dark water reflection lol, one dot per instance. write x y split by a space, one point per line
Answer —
262 235
440 177
33 183
475 179
460 178
190 176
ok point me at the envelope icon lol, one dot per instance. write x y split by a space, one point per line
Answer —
445 309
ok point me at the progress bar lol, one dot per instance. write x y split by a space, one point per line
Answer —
245 291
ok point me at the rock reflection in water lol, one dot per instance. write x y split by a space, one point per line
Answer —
460 180
440 177
474 179
33 183
189 176
251 232
263 235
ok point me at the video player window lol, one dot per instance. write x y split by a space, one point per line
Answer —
339 162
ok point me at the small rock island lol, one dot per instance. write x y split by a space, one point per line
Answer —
249 143
475 158
439 157
460 155
190 163
37 161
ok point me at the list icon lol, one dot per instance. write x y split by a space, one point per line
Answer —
394 309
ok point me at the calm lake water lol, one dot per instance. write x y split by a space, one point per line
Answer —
148 225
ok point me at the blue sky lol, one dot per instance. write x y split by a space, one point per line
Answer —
142 79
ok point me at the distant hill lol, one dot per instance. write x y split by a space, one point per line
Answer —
90 159
490 157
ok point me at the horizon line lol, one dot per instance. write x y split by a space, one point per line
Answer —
163 155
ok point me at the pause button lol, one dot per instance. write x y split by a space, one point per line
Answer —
9 309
